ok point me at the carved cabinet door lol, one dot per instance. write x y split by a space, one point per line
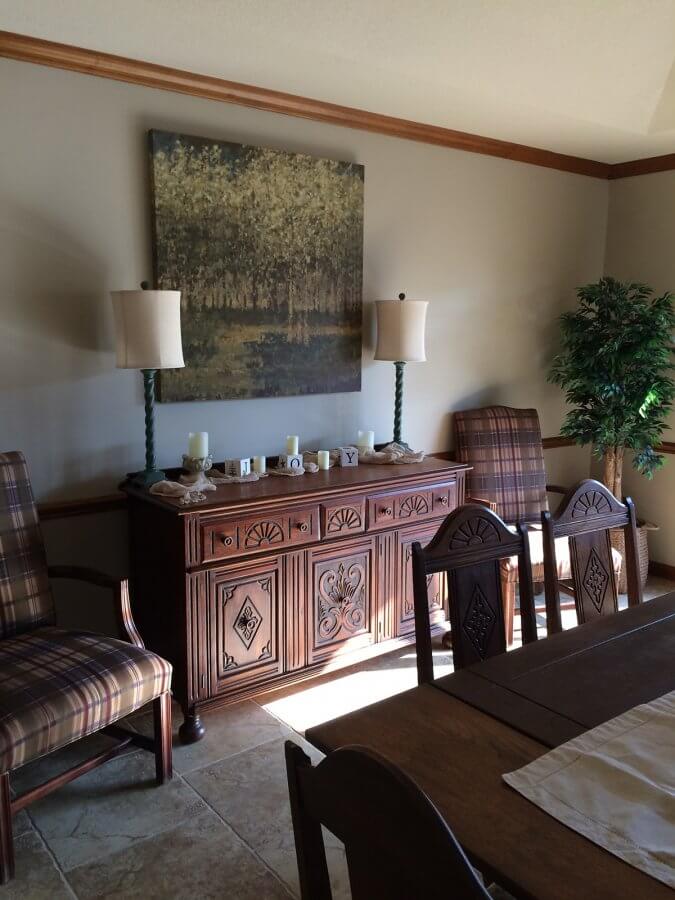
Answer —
244 620
437 585
342 615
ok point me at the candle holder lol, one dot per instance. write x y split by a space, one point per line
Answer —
197 464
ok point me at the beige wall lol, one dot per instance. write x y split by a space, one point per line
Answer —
641 247
496 247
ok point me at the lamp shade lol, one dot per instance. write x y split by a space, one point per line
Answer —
400 330
147 329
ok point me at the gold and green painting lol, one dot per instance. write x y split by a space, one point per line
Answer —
267 250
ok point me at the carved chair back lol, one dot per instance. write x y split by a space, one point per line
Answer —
398 845
468 547
503 446
586 515
25 595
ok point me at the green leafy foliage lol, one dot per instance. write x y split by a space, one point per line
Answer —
616 367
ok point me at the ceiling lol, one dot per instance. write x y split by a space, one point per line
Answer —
592 78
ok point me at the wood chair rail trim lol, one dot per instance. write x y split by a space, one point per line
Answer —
26 48
86 506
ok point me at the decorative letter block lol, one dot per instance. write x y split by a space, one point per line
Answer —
237 467
290 461
349 456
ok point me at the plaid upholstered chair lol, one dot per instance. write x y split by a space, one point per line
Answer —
504 448
57 686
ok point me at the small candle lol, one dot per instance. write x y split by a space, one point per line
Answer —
198 444
323 459
260 464
292 444
366 439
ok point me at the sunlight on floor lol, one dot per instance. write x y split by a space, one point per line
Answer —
374 681
384 676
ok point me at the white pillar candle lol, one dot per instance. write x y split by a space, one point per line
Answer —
366 439
198 444
323 459
292 444
260 464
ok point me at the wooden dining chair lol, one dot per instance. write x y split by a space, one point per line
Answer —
398 845
468 547
504 448
586 515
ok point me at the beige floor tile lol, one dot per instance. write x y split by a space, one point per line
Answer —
250 792
228 731
110 808
201 859
37 878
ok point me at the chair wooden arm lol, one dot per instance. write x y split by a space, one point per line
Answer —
556 489
120 589
491 504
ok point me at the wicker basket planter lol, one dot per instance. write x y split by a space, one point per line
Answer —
617 540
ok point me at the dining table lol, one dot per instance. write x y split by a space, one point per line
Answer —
458 735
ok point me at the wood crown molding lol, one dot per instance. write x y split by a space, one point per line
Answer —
647 166
120 68
107 65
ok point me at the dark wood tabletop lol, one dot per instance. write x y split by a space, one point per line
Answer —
560 687
457 738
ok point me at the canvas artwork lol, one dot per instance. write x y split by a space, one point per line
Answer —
267 249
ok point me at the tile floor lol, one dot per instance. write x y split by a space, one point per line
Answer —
222 827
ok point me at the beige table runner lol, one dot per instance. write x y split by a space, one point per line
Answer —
615 785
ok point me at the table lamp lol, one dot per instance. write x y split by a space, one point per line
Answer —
400 339
147 330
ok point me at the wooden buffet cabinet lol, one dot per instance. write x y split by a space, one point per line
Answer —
277 580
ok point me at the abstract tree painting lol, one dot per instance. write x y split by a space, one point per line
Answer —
267 250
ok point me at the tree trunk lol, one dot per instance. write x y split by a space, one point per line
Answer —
618 474
613 470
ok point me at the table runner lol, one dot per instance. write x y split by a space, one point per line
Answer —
615 785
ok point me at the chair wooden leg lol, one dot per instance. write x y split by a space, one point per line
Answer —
6 839
161 708
509 602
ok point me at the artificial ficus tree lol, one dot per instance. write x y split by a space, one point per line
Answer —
616 365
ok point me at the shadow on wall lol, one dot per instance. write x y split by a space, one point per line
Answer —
54 286
100 542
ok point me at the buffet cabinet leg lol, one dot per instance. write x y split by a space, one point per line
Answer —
192 729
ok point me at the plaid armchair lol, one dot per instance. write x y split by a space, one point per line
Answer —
57 686
504 448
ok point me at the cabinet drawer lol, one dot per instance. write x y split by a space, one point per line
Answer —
225 538
343 517
410 506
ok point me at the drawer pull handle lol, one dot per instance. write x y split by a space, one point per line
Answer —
387 510
303 526
226 539
443 501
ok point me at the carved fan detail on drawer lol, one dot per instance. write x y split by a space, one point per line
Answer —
414 505
262 533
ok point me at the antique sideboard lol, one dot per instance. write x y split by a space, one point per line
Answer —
277 580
